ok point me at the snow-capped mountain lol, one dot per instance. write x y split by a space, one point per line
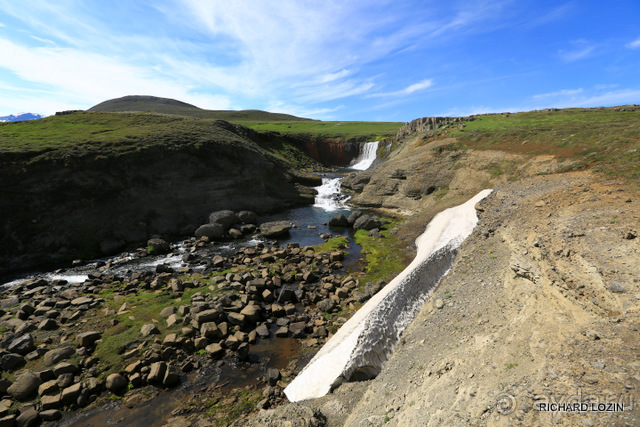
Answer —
20 116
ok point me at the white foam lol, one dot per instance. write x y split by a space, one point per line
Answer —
369 337
330 197
367 157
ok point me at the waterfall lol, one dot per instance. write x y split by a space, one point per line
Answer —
329 196
368 339
367 157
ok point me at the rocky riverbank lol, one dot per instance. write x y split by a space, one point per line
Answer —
67 346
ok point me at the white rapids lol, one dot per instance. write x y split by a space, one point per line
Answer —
367 157
368 339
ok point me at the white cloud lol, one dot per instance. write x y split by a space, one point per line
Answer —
564 92
583 49
87 78
416 87
634 44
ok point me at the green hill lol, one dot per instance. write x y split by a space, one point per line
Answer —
153 104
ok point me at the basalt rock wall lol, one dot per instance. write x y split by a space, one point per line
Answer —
90 205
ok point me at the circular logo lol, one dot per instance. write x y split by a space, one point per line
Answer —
505 403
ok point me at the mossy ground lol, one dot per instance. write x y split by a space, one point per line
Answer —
383 256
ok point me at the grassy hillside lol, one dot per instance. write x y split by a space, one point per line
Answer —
106 132
152 104
605 139
255 119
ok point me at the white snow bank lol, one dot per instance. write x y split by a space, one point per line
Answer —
368 339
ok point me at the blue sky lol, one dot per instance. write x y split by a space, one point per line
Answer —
332 60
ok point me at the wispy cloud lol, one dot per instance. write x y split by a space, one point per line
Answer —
416 87
564 92
582 49
634 44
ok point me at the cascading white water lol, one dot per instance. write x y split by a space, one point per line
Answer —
367 157
368 339
329 196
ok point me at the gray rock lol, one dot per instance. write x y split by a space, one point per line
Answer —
54 356
263 331
51 401
50 415
71 393
157 373
273 376
252 313
157 246
167 311
116 383
212 231
10 361
171 377
339 221
22 345
87 339
326 305
224 218
25 386
28 417
149 329
275 229
234 233
247 217
64 368
366 222
353 216
215 350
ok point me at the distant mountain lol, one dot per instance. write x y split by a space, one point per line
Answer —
20 116
153 104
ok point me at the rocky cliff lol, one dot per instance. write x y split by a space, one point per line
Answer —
93 203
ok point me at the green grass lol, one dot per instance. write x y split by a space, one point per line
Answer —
348 130
600 138
383 255
333 244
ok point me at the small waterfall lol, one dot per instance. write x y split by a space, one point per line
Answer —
329 196
367 157
361 346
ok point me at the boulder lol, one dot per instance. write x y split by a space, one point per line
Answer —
22 345
252 313
339 221
212 231
116 383
157 373
10 361
87 339
25 386
157 246
275 229
28 417
224 218
215 350
247 217
149 329
171 377
353 216
366 222
326 305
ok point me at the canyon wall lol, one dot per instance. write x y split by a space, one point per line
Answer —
94 204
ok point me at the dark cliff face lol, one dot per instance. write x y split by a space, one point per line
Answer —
333 152
83 207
